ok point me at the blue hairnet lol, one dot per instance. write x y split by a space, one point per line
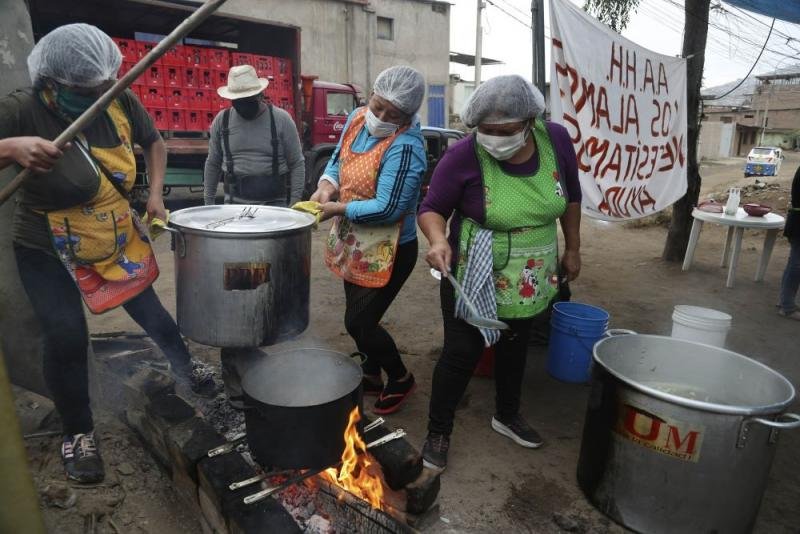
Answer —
503 99
403 86
79 55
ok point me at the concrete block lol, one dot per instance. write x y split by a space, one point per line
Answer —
189 442
186 488
146 385
401 462
422 493
211 511
267 516
150 434
35 412
123 356
170 409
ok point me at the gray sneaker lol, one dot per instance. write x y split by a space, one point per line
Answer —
434 451
518 430
790 315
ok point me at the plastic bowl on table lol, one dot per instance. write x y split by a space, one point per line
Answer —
756 210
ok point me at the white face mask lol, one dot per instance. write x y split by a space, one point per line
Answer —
503 147
378 128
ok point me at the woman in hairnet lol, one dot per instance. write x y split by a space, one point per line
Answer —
76 238
375 173
505 187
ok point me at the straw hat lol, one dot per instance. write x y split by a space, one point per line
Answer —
242 82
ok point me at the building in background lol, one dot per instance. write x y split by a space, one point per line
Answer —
344 41
733 124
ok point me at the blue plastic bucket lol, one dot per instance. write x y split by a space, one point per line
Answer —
574 329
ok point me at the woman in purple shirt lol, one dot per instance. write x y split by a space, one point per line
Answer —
502 189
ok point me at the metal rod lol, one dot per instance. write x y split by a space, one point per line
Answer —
263 494
247 482
397 434
228 447
375 424
126 81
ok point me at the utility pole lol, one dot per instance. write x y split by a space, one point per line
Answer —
537 43
478 43
766 110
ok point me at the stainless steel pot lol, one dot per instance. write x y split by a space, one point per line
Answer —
679 436
241 273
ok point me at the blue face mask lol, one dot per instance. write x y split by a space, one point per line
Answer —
71 103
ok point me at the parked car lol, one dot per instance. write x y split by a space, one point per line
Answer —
436 142
763 161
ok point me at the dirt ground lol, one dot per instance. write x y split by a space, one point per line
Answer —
492 485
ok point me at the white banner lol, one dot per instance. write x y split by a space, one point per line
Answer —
625 109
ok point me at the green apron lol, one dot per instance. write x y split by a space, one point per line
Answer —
521 211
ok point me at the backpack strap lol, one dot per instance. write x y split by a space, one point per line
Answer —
227 176
275 163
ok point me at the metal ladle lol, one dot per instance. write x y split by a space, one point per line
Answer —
475 319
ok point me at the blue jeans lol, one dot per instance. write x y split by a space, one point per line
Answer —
791 277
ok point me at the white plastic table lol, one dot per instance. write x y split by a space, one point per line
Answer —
736 224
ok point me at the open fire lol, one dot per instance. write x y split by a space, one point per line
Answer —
359 473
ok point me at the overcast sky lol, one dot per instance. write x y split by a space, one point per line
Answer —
735 37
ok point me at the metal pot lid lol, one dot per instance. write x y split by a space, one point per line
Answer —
301 377
240 219
694 375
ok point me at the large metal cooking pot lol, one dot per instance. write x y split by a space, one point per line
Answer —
298 405
242 273
679 436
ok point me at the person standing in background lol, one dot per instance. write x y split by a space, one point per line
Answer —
791 275
255 147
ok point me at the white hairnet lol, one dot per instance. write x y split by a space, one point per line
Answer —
501 100
402 86
79 55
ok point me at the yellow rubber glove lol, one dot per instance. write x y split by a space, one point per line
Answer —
156 226
309 206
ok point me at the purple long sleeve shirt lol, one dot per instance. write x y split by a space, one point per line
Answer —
456 186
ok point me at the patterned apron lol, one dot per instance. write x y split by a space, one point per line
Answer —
522 214
362 254
102 243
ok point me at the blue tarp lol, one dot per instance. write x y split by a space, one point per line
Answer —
788 10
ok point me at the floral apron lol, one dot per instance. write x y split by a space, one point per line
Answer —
102 243
522 214
362 254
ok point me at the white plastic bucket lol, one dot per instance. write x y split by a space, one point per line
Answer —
702 325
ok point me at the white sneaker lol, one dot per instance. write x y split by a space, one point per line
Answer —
790 315
519 431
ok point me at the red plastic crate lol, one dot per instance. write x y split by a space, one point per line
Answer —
282 67
218 58
238 58
177 98
159 116
127 48
263 65
207 80
195 120
173 76
143 48
176 119
154 76
175 56
191 77
209 118
153 97
199 99
195 56
219 103
219 79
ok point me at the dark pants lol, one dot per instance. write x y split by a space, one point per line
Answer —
463 347
364 311
57 304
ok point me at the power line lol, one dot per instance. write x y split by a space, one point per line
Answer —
751 68
509 14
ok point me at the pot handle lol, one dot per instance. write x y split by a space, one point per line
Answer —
178 237
611 332
360 357
794 421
